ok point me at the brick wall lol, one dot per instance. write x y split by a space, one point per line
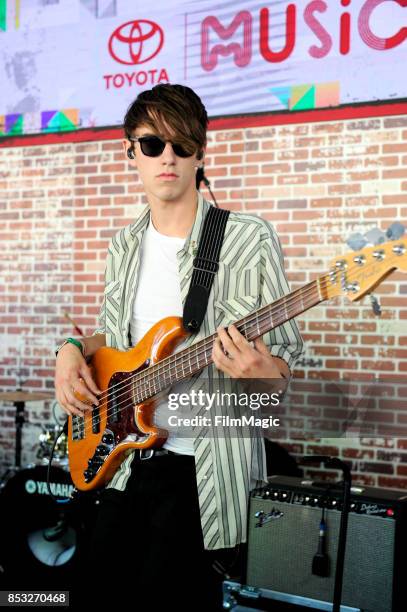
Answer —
317 182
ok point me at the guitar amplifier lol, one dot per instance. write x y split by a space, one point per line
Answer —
283 535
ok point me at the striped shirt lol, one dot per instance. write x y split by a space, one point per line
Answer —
251 275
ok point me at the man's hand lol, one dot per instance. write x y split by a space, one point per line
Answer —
235 356
73 375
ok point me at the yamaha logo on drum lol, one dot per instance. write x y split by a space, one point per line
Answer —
57 488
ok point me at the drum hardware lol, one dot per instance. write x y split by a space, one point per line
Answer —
47 437
64 431
75 326
57 420
49 445
46 521
43 542
54 533
19 398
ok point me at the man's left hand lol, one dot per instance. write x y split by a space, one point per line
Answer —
235 356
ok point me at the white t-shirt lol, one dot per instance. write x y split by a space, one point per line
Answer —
158 295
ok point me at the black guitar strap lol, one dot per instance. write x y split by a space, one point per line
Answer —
206 265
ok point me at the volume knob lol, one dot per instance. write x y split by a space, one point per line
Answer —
101 449
108 438
89 475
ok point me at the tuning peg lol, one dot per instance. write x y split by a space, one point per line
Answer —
356 242
375 236
377 309
395 231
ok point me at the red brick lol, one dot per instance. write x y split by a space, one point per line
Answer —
251 169
327 152
329 351
322 450
275 168
345 164
326 177
249 180
392 122
293 179
376 467
395 174
234 159
340 339
344 188
358 453
85 169
363 479
359 326
364 124
309 142
323 326
100 179
292 154
362 176
392 483
111 190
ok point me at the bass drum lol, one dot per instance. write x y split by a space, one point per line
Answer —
43 542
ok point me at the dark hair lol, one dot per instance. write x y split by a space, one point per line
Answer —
174 111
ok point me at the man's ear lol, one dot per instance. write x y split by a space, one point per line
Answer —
128 150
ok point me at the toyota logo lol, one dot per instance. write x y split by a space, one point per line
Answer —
136 42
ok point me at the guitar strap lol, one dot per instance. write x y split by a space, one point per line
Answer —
206 265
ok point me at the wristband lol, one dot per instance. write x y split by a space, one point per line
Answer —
77 343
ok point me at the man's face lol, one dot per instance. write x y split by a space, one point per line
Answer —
166 177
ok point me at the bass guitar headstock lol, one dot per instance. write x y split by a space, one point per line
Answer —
359 272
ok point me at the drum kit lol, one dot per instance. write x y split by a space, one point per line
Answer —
44 537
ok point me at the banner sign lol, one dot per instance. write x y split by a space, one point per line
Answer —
70 64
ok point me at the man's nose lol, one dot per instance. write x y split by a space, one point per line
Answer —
168 154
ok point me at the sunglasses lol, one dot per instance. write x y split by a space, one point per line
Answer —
153 146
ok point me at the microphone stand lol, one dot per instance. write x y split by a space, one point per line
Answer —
337 464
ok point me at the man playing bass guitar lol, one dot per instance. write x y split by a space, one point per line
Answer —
163 521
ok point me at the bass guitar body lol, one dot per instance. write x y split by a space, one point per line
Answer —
99 441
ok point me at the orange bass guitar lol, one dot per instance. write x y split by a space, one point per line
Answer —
132 380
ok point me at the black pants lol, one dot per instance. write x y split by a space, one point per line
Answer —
147 547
